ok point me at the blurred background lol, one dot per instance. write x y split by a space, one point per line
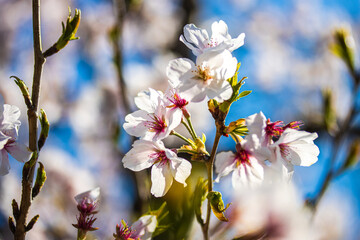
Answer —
124 47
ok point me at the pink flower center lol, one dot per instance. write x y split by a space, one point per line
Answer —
177 101
123 231
242 157
294 125
87 206
160 157
274 129
157 124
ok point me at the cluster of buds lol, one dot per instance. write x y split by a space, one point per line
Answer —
87 206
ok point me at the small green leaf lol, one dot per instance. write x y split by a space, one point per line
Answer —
45 125
24 90
32 223
344 47
12 225
217 205
244 94
353 155
200 192
15 208
68 33
40 180
330 118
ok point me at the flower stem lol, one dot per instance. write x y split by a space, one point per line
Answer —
81 235
209 166
181 137
189 129
193 133
27 179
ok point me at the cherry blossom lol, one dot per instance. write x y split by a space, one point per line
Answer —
87 204
266 130
166 165
9 127
208 77
198 40
154 121
295 148
247 164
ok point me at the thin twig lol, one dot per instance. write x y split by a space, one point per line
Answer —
338 140
27 180
209 167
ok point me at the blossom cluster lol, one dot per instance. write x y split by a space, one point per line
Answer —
269 148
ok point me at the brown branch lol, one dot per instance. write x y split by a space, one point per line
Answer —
28 176
210 167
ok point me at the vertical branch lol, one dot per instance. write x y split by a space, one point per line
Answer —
39 61
28 176
118 58
210 167
337 142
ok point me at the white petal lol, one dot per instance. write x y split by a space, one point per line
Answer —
144 227
291 135
177 68
4 163
92 195
148 100
257 170
196 93
134 123
237 42
19 151
256 124
161 179
11 115
224 164
238 177
180 169
219 91
173 118
220 28
138 158
303 153
3 140
194 38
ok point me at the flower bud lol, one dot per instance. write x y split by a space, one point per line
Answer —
344 47
353 156
329 112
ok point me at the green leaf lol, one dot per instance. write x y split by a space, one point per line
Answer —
217 205
24 90
68 33
45 125
32 223
200 192
244 94
40 180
